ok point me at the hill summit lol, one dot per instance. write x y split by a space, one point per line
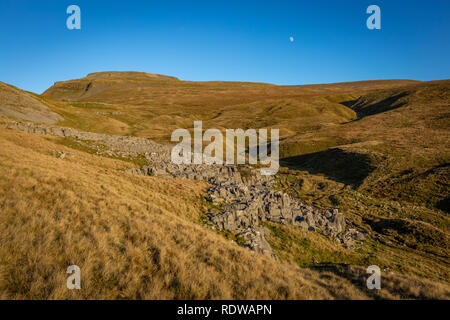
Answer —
117 75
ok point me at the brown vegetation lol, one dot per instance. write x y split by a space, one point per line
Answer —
377 150
135 237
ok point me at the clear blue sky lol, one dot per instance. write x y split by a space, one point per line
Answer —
224 40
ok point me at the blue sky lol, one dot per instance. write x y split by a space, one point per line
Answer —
224 40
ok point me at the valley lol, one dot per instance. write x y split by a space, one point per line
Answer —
88 179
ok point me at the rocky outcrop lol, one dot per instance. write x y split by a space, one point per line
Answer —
123 145
245 200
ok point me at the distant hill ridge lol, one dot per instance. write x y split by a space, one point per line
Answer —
128 75
120 86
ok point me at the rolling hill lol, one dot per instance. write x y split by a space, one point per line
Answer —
376 150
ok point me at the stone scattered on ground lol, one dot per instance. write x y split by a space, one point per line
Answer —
244 200
61 154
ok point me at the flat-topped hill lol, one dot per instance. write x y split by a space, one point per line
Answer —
128 75
117 86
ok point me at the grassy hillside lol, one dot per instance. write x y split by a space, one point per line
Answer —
19 104
140 237
388 171
376 150
153 107
393 132
397 149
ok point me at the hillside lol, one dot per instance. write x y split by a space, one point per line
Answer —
19 104
139 237
375 150
153 107
399 145
390 124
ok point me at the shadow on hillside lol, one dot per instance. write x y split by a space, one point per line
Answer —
350 103
342 166
413 234
387 226
364 108
355 275
444 205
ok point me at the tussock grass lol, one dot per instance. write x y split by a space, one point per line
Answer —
146 238
133 237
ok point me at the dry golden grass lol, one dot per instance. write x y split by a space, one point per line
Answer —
136 238
141 237
153 108
132 237
405 140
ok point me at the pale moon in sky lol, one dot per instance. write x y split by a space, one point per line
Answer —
291 39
